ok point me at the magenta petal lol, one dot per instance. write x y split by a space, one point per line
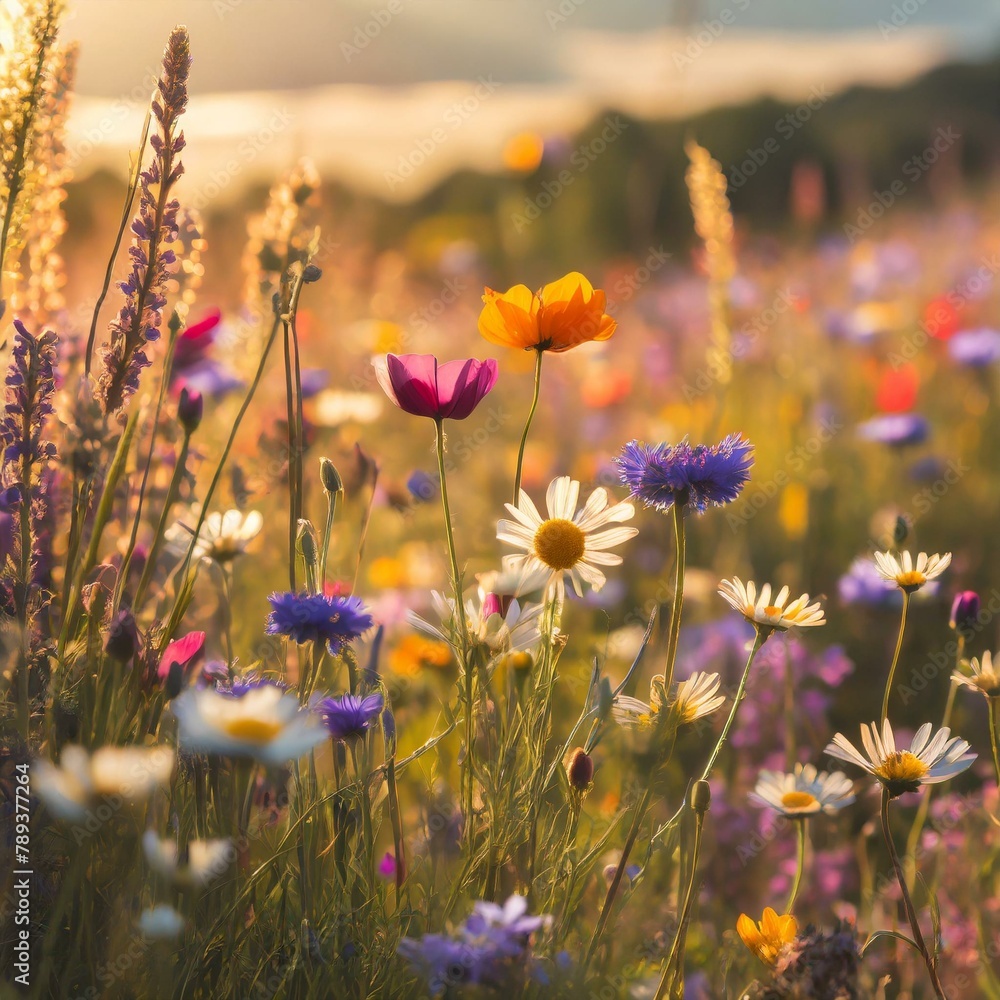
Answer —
463 384
414 383
185 652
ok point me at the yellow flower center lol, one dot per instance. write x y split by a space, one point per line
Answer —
902 767
913 579
772 611
559 543
225 549
798 800
251 730
988 683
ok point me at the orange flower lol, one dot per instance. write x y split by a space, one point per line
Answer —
767 939
564 314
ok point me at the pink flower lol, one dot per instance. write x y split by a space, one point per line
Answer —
417 384
182 656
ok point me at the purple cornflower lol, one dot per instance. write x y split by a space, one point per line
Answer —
154 228
662 475
492 948
350 716
318 617
976 348
896 429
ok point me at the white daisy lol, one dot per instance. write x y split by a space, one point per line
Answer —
265 724
928 760
81 781
222 538
568 542
502 629
803 793
695 698
204 860
907 576
985 678
161 923
770 612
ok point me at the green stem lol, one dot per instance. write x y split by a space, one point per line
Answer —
801 863
895 657
762 633
911 913
463 630
673 636
609 899
992 707
675 961
539 354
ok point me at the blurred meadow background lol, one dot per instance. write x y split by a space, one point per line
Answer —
841 311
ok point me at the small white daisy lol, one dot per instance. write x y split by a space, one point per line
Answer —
803 793
770 612
930 759
204 860
80 781
503 629
568 542
695 698
222 538
985 678
265 724
907 576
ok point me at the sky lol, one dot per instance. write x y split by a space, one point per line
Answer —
364 86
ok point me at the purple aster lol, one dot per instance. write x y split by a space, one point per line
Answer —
241 686
977 348
350 716
863 584
896 429
661 475
318 617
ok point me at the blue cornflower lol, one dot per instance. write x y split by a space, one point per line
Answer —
662 475
895 429
315 617
977 348
350 716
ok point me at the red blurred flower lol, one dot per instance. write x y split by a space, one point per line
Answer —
897 390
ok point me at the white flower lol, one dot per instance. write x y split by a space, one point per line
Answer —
78 783
161 923
333 407
265 724
771 613
222 538
568 542
928 760
503 631
804 792
696 697
904 574
985 678
205 859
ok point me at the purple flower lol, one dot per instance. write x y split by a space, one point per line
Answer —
318 617
896 429
863 584
418 384
314 381
977 348
662 475
964 610
154 228
350 716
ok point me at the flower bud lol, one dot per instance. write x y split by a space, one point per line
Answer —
190 408
900 530
491 606
701 796
580 770
521 662
330 477
964 611
122 641
311 273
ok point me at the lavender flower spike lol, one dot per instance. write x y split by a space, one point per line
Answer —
155 227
